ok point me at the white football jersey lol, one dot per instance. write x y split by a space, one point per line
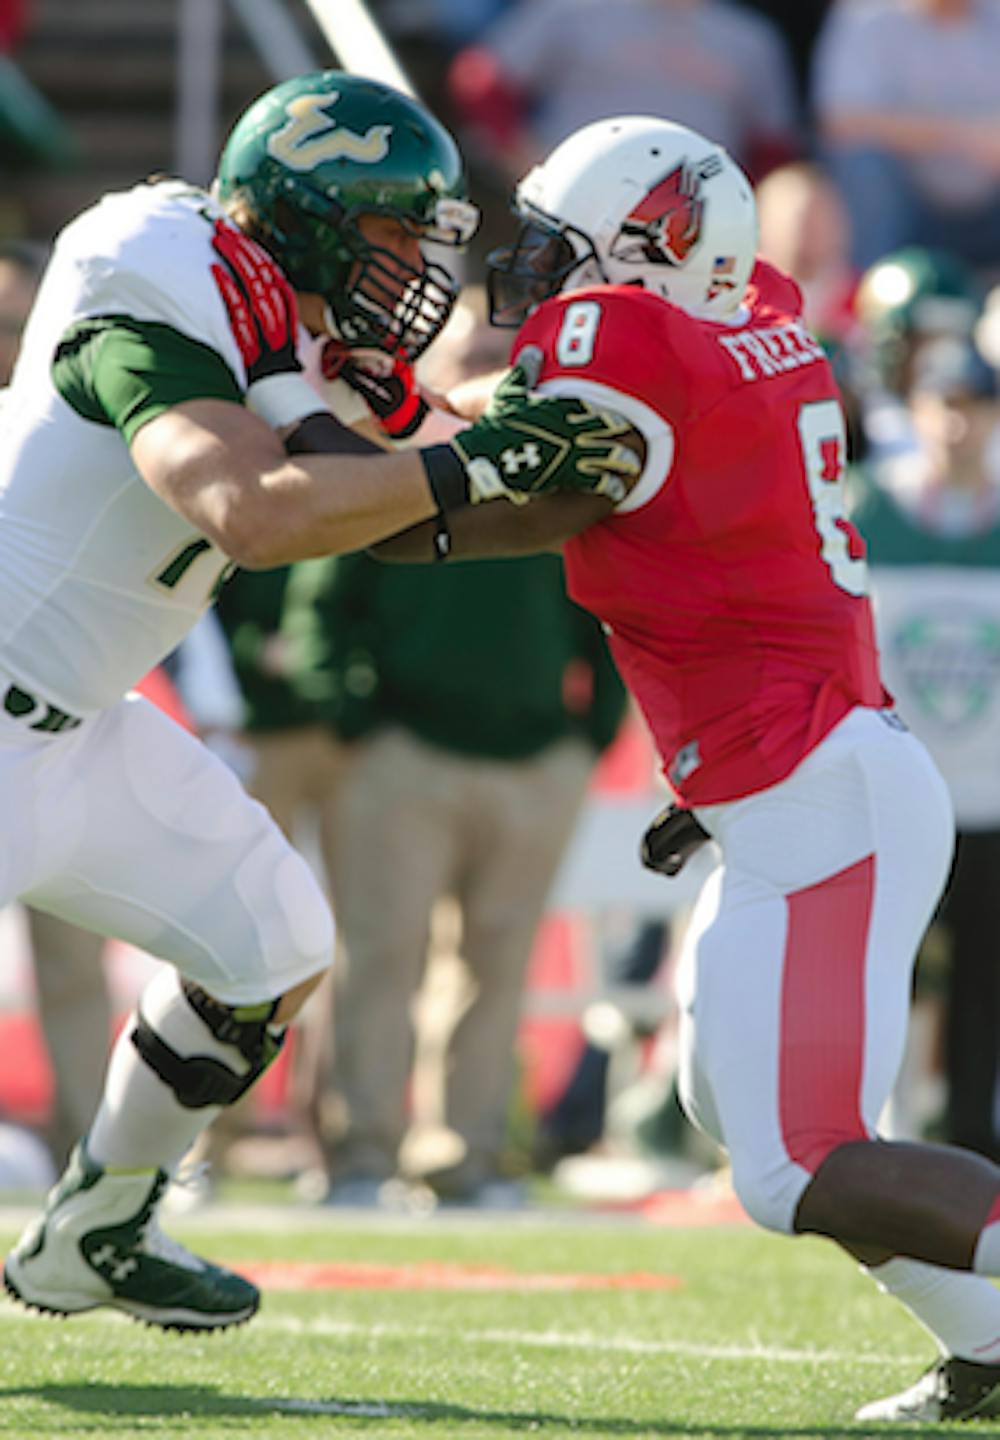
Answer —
99 578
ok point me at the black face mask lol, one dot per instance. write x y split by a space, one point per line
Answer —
377 311
376 299
538 264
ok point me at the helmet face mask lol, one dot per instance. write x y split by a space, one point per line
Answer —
380 300
640 201
314 155
538 265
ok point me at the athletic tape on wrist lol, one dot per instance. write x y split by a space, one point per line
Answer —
283 399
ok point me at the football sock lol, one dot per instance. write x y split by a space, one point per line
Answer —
140 1123
961 1311
986 1260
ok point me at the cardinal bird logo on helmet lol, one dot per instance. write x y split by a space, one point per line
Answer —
666 224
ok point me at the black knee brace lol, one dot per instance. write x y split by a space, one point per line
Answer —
200 1080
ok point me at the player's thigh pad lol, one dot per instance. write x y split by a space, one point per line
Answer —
795 978
162 847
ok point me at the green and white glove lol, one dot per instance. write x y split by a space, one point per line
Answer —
526 444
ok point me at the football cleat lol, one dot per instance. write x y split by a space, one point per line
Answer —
951 1389
98 1243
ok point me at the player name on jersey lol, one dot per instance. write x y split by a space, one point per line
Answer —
772 351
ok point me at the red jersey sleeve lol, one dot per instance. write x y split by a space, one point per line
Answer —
615 337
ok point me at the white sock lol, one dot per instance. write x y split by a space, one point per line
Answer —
986 1260
961 1311
140 1124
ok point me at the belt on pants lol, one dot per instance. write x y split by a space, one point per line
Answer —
38 714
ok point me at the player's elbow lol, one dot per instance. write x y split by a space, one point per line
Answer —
241 521
251 541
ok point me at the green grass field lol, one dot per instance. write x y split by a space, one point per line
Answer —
760 1337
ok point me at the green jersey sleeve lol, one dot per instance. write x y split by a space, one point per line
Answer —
115 370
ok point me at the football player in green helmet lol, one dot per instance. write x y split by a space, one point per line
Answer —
158 430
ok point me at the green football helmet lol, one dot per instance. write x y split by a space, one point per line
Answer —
312 155
912 295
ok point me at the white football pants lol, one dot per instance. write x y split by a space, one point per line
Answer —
794 982
130 827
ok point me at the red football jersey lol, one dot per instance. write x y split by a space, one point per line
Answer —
731 583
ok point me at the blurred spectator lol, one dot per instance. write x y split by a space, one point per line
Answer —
805 230
549 66
931 517
488 698
907 103
905 301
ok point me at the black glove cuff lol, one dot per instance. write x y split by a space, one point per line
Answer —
446 476
671 840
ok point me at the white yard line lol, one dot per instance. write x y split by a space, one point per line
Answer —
573 1340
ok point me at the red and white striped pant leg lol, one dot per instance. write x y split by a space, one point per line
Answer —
795 981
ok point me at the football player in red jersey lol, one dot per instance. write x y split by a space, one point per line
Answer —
734 590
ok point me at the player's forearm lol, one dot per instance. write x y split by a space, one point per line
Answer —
498 530
229 475
317 505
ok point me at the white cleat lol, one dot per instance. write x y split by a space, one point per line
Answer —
98 1243
951 1389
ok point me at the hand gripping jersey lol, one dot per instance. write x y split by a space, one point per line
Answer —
731 584
99 578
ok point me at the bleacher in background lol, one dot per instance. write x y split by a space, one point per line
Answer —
110 68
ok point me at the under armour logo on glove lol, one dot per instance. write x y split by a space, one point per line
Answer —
386 382
260 303
528 443
528 457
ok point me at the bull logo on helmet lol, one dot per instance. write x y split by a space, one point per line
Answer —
312 136
665 226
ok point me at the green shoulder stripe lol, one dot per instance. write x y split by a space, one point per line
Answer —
118 371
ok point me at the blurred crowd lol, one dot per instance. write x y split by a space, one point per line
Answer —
434 773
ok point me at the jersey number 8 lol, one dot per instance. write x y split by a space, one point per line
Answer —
823 439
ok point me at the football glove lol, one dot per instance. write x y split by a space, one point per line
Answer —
260 303
386 382
671 840
527 444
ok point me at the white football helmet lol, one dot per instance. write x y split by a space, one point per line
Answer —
632 200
